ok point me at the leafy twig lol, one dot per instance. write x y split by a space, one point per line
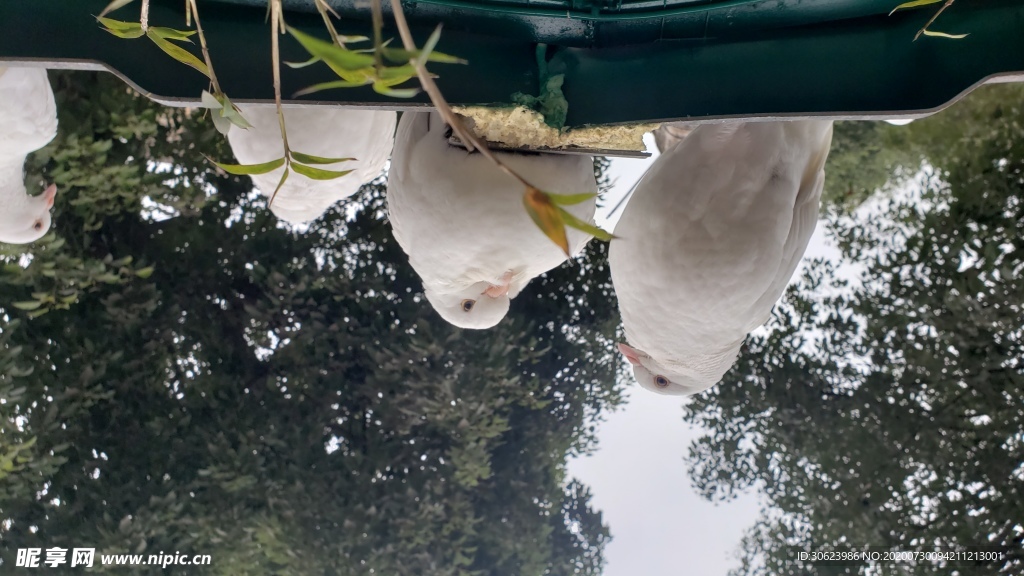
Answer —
924 29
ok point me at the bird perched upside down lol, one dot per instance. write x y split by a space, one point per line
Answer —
709 242
462 222
28 121
366 135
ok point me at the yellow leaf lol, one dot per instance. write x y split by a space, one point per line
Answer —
914 4
943 34
545 215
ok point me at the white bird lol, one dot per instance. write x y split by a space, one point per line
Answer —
669 134
709 242
28 121
366 135
463 224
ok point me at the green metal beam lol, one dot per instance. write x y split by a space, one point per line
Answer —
623 62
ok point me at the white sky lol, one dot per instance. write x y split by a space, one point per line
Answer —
660 525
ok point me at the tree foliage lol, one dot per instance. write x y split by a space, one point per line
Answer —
285 401
891 413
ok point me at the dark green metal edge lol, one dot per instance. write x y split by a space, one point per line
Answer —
854 67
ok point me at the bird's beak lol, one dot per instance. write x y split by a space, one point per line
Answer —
497 291
631 354
49 194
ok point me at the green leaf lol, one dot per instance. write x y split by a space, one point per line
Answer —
178 53
114 6
210 101
914 4
249 169
232 113
400 73
399 55
144 272
310 159
383 88
424 56
328 86
570 199
27 305
333 56
37 313
280 183
297 65
546 216
172 34
573 222
318 173
943 34
122 29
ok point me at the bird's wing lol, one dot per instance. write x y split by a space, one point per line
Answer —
28 112
411 129
366 135
805 220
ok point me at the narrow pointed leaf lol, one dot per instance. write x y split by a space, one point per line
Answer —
570 199
400 55
122 29
545 215
914 4
943 34
210 101
232 113
28 305
394 72
383 89
249 169
424 56
178 53
222 124
298 65
334 56
172 34
318 173
114 6
144 272
310 159
328 86
280 183
573 222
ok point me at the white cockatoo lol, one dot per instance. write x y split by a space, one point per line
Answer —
462 221
708 243
366 135
28 121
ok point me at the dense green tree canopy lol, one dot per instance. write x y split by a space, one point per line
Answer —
179 373
891 412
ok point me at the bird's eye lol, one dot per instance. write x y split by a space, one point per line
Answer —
661 382
467 305
38 225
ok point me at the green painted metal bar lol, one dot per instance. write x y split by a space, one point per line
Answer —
624 62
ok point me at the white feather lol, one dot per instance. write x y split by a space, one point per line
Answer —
366 135
462 221
710 240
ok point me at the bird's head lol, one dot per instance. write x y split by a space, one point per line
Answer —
478 306
649 374
28 221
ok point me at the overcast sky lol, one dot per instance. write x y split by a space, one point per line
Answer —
660 525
